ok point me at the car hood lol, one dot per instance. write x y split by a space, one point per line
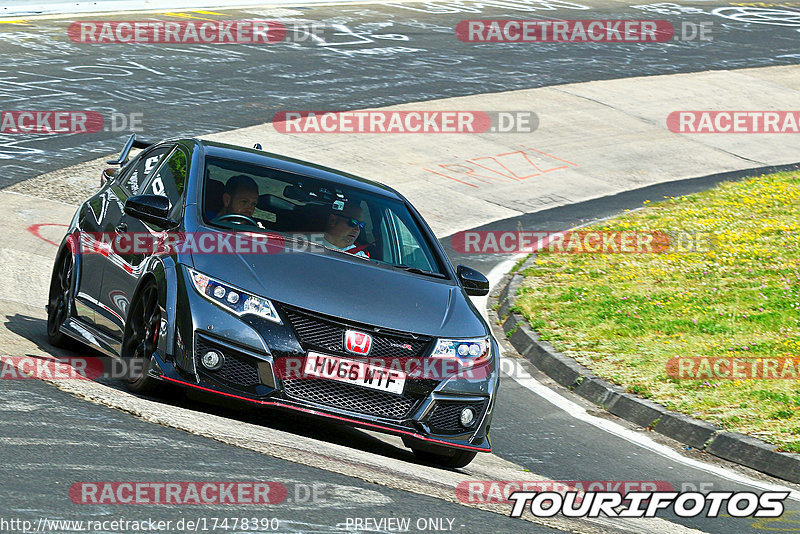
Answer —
333 284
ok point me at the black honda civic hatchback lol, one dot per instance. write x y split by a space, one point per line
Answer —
278 282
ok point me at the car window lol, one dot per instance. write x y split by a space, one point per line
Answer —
410 252
140 169
169 177
248 197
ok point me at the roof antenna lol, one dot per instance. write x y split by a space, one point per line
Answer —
257 146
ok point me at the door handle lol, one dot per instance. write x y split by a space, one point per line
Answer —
121 228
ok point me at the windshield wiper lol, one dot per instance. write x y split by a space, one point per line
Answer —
417 270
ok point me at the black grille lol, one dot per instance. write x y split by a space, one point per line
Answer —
349 397
238 369
444 419
327 334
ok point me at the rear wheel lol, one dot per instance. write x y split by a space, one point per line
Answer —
59 300
141 339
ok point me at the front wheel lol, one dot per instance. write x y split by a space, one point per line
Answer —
141 340
59 300
444 456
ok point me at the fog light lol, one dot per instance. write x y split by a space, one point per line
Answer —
213 360
467 417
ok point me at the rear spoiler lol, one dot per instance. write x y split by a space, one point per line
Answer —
132 142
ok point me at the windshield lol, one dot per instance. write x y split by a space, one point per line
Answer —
253 198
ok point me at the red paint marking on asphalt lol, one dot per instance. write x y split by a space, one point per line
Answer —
34 229
511 166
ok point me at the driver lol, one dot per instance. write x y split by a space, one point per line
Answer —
343 227
240 196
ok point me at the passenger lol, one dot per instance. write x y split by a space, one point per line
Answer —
343 228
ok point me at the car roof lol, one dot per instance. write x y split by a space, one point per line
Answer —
287 164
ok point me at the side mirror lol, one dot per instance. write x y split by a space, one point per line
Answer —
153 209
475 284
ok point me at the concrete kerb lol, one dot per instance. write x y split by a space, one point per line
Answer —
732 446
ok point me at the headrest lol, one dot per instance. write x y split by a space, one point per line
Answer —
214 190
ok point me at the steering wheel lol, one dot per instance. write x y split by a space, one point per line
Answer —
236 218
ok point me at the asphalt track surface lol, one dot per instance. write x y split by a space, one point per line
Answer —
51 439
381 55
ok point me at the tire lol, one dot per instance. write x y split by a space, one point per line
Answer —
455 459
59 300
141 339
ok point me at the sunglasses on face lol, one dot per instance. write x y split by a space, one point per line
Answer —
352 222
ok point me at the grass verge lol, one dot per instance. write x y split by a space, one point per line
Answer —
733 293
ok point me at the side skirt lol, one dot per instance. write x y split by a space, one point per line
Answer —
80 331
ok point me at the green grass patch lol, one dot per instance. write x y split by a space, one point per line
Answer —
519 263
729 285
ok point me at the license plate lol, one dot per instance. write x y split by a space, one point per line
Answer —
358 372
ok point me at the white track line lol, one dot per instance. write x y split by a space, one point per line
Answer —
523 378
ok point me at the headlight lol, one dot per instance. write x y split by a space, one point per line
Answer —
467 351
232 298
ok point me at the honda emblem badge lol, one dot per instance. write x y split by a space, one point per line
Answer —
357 342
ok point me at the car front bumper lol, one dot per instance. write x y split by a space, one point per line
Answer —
254 348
